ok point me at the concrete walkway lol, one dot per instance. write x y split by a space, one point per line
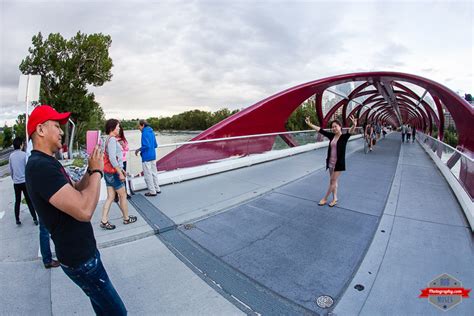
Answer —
150 279
423 233
287 243
245 219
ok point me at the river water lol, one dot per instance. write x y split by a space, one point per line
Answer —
163 138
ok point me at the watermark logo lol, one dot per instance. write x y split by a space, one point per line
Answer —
445 292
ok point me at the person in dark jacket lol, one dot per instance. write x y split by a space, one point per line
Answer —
336 157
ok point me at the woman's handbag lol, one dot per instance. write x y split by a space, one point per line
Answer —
108 168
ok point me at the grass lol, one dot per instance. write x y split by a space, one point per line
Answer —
3 163
78 162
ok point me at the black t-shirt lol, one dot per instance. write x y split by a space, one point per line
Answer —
74 240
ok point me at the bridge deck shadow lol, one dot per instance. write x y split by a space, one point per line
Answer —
282 241
286 242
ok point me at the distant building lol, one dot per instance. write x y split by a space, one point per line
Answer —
328 102
330 99
448 120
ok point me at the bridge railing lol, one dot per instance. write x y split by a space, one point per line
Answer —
227 148
456 167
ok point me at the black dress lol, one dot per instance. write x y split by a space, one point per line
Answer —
341 149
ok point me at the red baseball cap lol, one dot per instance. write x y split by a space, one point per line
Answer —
45 113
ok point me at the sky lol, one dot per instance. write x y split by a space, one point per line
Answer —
174 56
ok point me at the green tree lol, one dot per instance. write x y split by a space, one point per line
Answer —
20 126
296 121
67 68
189 120
7 136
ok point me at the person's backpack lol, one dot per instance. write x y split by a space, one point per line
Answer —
108 168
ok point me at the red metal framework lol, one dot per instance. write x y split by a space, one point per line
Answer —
388 100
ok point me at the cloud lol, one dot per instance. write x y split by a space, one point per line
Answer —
172 56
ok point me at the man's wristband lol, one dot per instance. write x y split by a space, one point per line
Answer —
90 172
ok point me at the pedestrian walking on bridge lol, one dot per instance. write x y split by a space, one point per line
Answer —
17 164
403 129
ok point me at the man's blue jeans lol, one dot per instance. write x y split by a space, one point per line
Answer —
92 278
44 244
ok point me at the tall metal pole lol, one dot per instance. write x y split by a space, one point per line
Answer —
27 108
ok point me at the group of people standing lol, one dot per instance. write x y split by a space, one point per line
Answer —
63 208
115 148
373 132
408 132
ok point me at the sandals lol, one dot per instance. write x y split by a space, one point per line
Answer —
131 219
333 203
322 202
107 225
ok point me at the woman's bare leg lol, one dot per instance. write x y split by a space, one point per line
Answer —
328 192
334 177
107 204
123 202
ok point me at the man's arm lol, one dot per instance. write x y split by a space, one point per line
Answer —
145 142
81 204
83 183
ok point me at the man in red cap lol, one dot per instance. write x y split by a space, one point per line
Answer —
66 209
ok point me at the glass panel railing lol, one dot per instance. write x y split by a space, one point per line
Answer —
459 164
202 152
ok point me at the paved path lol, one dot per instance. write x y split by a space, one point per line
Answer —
255 241
149 277
295 248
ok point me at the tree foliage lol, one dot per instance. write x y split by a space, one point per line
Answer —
67 67
190 120
7 138
202 120
20 126
296 120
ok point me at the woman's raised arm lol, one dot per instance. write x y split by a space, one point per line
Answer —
316 128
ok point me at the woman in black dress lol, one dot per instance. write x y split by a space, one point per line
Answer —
336 158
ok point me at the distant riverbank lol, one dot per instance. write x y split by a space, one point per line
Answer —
162 137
